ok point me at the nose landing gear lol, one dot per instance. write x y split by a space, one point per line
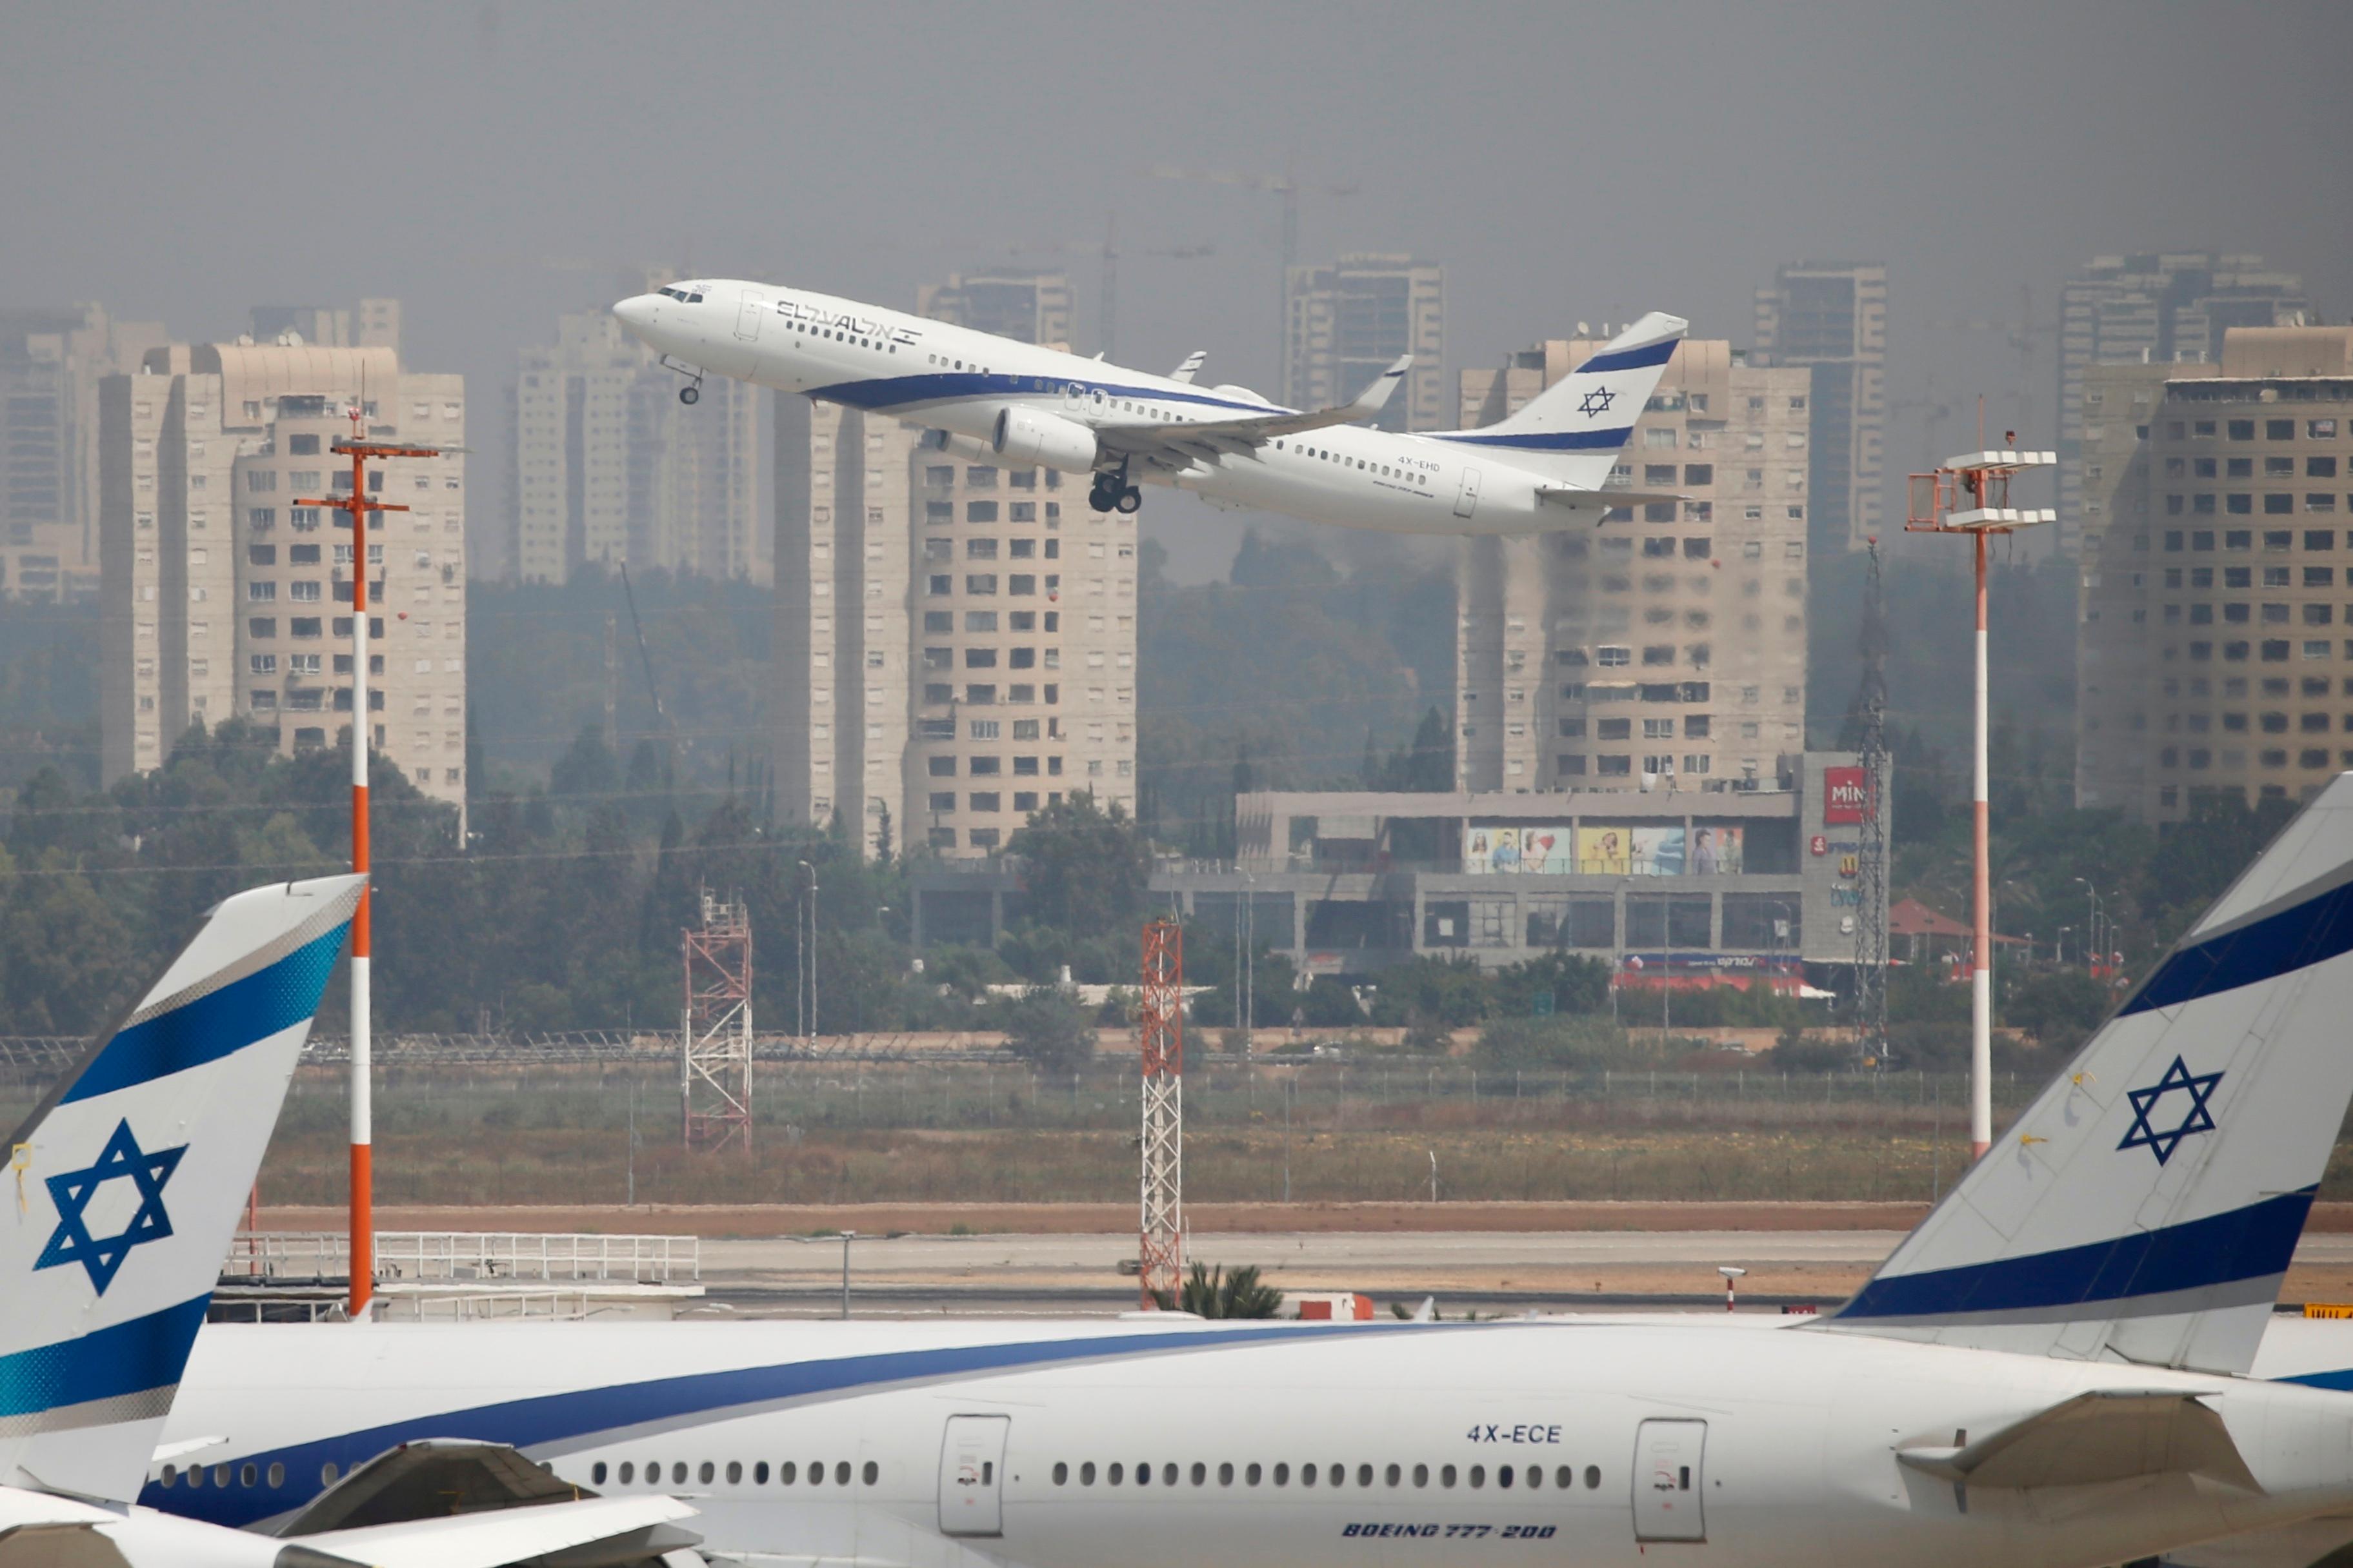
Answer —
690 394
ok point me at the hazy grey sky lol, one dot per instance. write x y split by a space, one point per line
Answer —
493 163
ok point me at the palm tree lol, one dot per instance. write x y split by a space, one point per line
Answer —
1211 1292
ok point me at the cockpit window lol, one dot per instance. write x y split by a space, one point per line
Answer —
681 295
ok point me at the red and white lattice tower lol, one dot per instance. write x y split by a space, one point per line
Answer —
715 1046
1160 1028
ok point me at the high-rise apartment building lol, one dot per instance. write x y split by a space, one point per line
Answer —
51 362
956 642
1346 323
1832 316
2157 308
610 467
220 593
1665 649
2216 648
1027 307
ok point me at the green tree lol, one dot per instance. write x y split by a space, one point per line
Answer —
1084 868
1051 1032
1211 1292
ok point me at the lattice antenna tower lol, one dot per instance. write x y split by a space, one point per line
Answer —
1871 861
1161 1031
715 1040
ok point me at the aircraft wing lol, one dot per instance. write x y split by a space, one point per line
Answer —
512 1535
1210 438
2109 1435
1573 495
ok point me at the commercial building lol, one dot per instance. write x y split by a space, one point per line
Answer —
1346 323
1677 889
1666 649
612 468
1831 316
1027 307
2157 308
219 593
954 642
51 362
2217 628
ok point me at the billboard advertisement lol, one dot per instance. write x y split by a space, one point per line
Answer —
1604 851
1498 851
1717 851
1657 852
1842 796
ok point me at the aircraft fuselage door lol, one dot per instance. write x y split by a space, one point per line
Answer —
972 1476
1466 500
747 317
1669 1473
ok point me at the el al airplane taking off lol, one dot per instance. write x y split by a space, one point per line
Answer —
997 401
2052 1372
129 1179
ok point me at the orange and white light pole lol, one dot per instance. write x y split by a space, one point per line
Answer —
363 1179
1970 495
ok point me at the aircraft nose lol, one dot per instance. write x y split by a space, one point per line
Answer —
636 312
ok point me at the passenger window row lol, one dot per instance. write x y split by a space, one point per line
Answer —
1564 1477
788 1473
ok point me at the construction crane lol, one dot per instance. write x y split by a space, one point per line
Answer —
1281 185
1107 251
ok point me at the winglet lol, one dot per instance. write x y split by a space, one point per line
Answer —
1375 398
1191 367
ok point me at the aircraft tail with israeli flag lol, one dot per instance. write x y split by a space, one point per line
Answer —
127 1180
1573 431
2145 1206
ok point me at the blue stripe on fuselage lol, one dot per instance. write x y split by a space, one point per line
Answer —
2318 929
2249 1243
584 1412
215 1024
955 387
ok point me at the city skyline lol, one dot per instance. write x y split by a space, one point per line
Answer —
2085 135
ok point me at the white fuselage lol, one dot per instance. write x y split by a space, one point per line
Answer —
1523 1445
958 380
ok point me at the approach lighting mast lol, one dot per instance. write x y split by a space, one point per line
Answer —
1160 1028
1970 495
359 449
714 1064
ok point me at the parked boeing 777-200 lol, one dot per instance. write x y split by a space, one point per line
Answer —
2052 1372
993 400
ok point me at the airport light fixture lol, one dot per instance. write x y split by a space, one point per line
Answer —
359 449
1732 1273
1970 495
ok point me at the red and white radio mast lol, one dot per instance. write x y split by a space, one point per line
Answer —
359 449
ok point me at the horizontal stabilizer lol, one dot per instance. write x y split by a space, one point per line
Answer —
2113 1434
1577 495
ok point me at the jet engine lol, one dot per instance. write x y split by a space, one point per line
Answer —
955 446
1028 436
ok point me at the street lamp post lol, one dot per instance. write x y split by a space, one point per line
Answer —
809 956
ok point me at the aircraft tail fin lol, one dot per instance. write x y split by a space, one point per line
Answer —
2145 1205
128 1180
1573 431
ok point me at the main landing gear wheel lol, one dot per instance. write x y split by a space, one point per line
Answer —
1129 500
689 395
1107 491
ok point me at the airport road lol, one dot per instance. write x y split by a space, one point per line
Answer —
1486 1271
